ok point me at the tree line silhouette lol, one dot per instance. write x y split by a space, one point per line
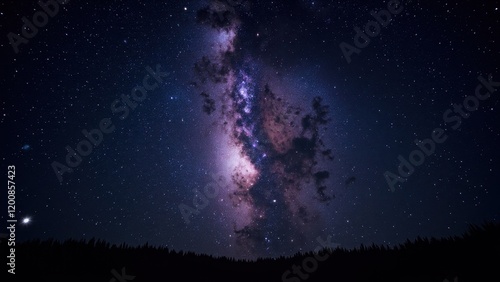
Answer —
474 256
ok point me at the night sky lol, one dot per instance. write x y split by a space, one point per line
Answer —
251 128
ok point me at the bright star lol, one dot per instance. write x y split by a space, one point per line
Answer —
26 220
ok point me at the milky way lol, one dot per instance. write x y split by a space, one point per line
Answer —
277 156
261 100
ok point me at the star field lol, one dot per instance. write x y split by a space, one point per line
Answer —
256 99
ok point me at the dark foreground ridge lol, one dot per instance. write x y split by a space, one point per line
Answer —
475 256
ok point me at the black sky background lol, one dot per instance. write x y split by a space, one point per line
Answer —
129 189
